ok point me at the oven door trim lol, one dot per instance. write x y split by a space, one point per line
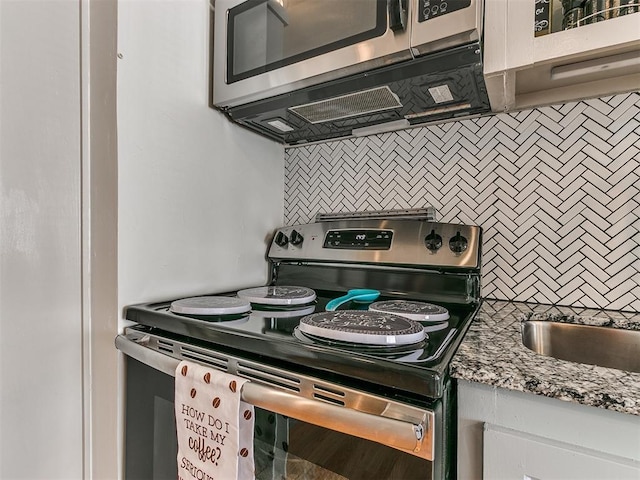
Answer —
411 431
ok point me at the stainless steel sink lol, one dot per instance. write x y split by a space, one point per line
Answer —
603 346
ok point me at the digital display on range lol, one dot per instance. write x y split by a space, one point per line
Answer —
358 239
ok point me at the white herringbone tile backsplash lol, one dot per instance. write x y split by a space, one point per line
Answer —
555 189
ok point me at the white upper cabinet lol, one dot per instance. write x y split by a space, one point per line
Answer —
523 70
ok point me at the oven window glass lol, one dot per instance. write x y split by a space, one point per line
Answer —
263 35
164 426
285 448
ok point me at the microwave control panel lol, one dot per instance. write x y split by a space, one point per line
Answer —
429 9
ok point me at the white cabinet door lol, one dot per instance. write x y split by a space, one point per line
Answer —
513 455
524 71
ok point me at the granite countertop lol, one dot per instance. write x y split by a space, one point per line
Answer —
492 353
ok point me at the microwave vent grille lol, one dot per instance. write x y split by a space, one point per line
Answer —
346 106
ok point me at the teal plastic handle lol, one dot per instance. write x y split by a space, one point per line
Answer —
363 295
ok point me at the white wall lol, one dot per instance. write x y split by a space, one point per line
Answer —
198 196
41 409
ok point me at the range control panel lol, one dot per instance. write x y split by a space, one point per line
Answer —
385 242
361 239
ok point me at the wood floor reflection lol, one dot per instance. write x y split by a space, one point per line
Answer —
316 453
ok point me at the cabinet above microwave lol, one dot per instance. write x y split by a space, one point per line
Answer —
307 70
595 59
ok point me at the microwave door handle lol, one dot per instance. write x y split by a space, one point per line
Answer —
415 438
397 10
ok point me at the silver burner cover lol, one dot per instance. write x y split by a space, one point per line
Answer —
362 326
419 311
211 305
278 295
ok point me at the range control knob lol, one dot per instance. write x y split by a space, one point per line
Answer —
281 239
296 238
433 241
458 243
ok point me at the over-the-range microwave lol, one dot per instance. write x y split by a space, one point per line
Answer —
306 70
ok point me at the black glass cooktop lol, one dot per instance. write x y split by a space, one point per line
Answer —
271 332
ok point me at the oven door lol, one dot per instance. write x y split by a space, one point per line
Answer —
294 437
267 47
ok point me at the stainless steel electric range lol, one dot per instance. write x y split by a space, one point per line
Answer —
347 349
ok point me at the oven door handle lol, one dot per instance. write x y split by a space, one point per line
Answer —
414 438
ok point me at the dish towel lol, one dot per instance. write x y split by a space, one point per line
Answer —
214 426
